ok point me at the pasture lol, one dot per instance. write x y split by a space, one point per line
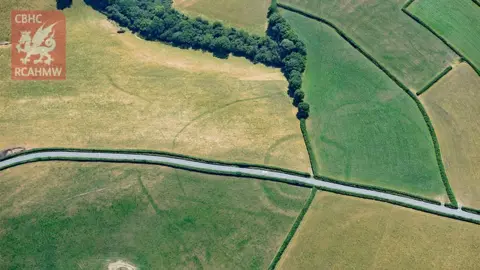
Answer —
250 15
340 232
64 215
452 104
457 21
404 47
124 92
364 128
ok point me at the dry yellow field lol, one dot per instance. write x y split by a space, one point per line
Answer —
453 105
250 15
124 92
340 232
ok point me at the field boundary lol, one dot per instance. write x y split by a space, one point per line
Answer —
379 189
451 46
293 230
308 145
233 171
426 118
435 79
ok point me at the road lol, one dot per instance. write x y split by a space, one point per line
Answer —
232 170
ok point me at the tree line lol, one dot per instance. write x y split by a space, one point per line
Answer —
157 20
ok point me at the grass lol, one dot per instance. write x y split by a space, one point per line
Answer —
63 215
250 15
123 92
405 48
363 127
454 20
340 232
8 5
452 104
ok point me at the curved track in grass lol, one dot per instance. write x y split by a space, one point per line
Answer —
219 169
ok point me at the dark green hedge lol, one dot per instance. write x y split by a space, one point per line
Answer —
451 206
436 79
244 176
346 38
399 204
436 145
471 210
292 231
408 3
166 154
451 196
308 145
477 69
379 189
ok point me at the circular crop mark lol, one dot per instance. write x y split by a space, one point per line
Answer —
121 265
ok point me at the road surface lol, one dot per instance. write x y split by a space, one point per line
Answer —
234 171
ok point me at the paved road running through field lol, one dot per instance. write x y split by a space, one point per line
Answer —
230 170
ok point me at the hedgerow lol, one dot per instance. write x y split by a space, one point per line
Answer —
292 231
308 145
379 189
436 79
448 188
417 19
165 154
157 20
471 210
341 192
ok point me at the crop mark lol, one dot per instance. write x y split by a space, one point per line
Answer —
420 106
149 197
121 89
277 143
213 111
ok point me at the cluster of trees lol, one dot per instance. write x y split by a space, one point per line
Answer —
293 54
157 20
63 4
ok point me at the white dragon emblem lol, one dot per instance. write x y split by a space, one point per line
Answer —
34 46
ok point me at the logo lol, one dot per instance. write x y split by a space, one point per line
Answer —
38 45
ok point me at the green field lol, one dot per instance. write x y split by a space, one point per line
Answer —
340 232
124 92
363 127
452 104
250 15
457 21
404 47
82 216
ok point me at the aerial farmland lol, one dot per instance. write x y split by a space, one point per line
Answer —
200 134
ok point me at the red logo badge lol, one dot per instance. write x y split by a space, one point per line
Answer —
38 45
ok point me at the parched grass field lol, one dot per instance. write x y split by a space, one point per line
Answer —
404 47
250 15
340 232
453 105
363 127
457 21
124 92
64 215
